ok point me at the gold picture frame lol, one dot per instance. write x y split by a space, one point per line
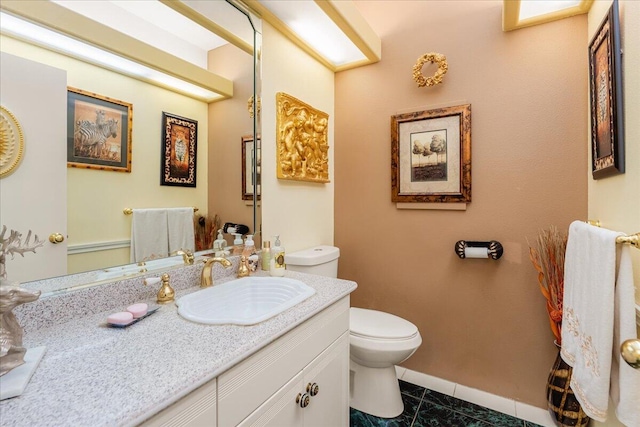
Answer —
179 151
248 185
302 141
98 131
431 156
605 92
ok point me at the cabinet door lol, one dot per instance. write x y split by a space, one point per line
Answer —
281 409
329 372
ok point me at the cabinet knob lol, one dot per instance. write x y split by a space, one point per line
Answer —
313 389
56 238
303 400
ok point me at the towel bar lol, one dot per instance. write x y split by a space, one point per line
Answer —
129 211
632 239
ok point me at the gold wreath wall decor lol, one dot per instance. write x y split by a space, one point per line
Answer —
434 58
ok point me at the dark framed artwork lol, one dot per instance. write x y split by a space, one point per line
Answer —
98 131
431 155
248 181
179 151
605 89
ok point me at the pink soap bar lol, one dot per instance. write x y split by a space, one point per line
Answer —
121 318
138 310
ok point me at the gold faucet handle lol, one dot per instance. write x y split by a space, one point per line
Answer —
244 269
187 256
166 293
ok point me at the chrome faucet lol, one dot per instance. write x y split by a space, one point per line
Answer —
187 256
206 280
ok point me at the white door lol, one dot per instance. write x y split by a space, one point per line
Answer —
36 95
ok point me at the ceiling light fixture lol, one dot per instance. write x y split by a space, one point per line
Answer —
333 32
56 28
525 13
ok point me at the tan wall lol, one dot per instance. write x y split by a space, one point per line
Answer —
229 121
95 199
300 212
483 322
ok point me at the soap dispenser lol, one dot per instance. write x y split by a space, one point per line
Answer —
238 245
219 245
249 246
277 265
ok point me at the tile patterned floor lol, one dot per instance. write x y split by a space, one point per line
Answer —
424 407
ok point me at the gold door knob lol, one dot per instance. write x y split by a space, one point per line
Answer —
56 238
630 350
303 400
313 389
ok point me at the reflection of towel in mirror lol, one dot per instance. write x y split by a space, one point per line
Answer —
149 237
180 229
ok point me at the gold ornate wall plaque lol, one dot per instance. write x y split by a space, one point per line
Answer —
11 142
302 141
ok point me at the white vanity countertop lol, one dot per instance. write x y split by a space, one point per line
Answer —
94 375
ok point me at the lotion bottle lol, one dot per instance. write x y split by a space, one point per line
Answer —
277 265
266 255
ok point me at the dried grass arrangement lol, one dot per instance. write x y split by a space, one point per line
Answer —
204 229
547 256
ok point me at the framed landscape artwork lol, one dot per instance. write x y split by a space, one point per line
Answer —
431 155
98 131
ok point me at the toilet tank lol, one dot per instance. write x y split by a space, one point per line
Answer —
320 260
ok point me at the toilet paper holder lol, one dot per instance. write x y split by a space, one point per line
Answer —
493 248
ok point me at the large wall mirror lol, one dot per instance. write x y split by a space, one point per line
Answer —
85 205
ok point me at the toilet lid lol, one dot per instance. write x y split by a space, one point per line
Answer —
378 324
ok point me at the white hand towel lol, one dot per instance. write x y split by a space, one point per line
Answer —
625 381
588 314
180 226
149 238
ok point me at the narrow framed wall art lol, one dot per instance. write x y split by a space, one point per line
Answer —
605 90
179 151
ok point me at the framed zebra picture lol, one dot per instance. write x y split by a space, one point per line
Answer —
179 151
98 131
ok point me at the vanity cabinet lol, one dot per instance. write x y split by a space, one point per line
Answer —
270 386
317 396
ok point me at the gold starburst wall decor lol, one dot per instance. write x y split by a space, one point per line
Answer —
435 58
302 140
11 142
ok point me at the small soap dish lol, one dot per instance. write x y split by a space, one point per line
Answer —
135 320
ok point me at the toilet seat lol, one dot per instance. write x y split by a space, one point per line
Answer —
378 325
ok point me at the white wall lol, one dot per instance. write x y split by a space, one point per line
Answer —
300 212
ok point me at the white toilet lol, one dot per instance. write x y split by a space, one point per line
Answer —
378 341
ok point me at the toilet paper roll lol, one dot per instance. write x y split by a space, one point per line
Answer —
471 252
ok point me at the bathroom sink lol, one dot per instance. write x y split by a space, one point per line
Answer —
245 301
